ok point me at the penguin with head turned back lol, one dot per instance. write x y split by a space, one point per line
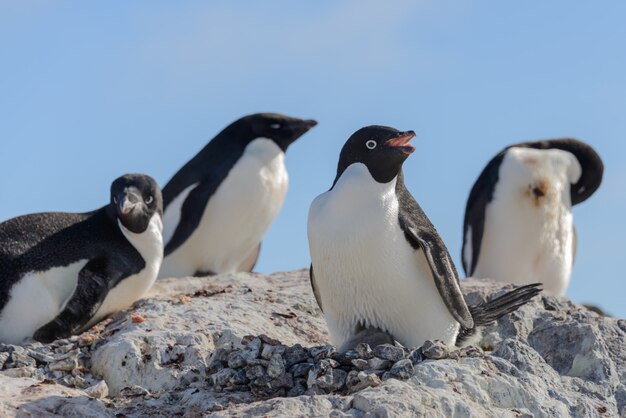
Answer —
221 203
377 261
60 273
518 219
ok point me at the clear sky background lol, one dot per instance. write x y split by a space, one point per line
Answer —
89 91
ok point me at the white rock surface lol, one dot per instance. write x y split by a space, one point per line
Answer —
551 358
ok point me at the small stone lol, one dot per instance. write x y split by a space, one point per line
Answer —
67 364
224 377
267 351
254 372
284 381
334 380
239 378
40 357
21 359
276 367
318 370
322 352
435 350
387 376
297 390
252 348
228 341
389 352
236 360
87 340
79 382
470 351
296 354
403 369
135 390
416 356
4 356
19 372
301 369
258 362
345 358
379 364
98 391
364 351
269 341
360 364
67 380
365 381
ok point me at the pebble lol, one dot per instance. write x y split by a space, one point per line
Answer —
364 351
435 350
3 358
403 369
322 352
296 354
276 366
98 391
378 364
389 352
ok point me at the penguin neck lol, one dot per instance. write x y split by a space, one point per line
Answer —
264 149
148 243
357 184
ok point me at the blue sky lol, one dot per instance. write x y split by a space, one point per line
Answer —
89 91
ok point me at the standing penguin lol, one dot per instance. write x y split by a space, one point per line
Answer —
221 203
377 261
518 219
60 273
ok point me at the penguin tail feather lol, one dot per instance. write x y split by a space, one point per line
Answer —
489 311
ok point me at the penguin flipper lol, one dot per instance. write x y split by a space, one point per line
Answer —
251 259
191 214
444 274
316 291
91 290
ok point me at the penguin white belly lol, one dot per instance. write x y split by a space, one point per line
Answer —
37 299
132 288
237 215
366 271
529 237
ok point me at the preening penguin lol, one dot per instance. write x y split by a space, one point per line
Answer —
518 220
60 273
221 203
377 261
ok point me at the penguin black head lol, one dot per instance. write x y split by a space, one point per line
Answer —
281 129
380 148
135 198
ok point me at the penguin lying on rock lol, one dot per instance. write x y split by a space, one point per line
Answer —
221 203
60 273
378 264
518 219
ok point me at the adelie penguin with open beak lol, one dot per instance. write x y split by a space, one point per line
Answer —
378 264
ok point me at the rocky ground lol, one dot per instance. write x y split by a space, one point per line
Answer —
246 344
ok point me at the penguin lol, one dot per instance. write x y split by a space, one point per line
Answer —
61 273
518 225
221 203
378 263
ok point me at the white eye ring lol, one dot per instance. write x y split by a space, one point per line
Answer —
149 199
115 200
275 125
371 144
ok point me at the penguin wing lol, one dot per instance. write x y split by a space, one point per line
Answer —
444 274
249 262
475 211
191 213
316 291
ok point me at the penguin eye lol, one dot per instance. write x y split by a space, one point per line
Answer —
149 200
115 199
371 144
275 126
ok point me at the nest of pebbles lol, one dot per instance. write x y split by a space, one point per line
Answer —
259 365
268 368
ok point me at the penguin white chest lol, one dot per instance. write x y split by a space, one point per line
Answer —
150 245
237 215
366 272
529 234
36 299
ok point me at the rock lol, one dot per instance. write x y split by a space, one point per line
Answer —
22 359
389 352
403 369
276 367
3 358
98 391
364 351
565 361
435 350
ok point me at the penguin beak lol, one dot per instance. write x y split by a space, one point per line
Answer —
401 142
127 201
